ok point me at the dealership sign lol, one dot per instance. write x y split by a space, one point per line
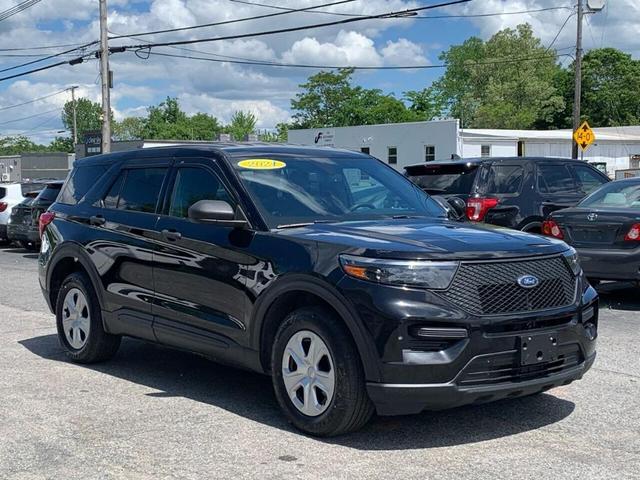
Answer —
324 138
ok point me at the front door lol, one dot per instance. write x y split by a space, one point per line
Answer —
200 299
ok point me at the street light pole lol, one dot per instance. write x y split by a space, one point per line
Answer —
578 79
104 75
75 116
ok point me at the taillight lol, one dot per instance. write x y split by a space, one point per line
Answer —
45 219
3 206
552 229
477 208
633 235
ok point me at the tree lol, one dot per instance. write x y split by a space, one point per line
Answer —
168 121
19 144
328 99
485 88
129 128
426 104
88 114
242 124
61 144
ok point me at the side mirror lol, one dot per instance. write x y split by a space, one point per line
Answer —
458 206
451 207
217 212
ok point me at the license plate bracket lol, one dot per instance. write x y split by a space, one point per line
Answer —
536 349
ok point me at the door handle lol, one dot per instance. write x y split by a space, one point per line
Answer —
97 220
171 235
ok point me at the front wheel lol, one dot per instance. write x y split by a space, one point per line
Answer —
79 322
317 375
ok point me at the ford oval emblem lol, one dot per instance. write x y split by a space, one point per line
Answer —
528 281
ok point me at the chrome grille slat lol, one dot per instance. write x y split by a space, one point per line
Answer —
491 288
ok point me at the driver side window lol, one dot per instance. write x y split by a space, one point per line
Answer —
193 184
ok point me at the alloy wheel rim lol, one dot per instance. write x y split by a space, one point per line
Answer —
76 319
308 373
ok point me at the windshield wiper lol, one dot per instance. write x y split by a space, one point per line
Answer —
304 224
400 217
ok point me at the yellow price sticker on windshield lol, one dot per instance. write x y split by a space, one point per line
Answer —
261 164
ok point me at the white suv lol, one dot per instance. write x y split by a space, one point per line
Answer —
11 194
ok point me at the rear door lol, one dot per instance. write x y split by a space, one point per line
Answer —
124 225
588 178
200 301
557 187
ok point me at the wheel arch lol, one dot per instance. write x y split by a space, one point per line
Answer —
67 259
291 292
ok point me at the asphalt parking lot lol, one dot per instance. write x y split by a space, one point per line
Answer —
156 413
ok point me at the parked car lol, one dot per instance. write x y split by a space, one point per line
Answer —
11 194
605 230
323 268
20 227
517 192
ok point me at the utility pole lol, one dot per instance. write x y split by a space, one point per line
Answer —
75 116
104 75
578 79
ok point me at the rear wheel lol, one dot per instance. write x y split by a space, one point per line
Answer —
79 322
317 374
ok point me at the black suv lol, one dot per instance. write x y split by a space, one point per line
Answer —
518 192
323 268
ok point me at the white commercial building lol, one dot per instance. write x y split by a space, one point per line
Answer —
402 144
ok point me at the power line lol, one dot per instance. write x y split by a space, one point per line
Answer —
560 31
41 47
342 14
10 12
227 22
30 116
393 14
73 61
54 55
333 67
34 100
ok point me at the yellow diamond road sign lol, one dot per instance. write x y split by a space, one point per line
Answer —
584 136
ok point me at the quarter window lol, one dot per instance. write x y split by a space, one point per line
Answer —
136 189
504 179
79 183
429 153
191 186
392 155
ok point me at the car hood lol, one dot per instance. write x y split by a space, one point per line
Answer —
422 238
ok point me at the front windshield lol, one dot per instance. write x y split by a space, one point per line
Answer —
292 190
616 195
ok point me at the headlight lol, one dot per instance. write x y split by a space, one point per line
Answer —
415 273
571 257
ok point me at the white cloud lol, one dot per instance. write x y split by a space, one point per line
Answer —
403 52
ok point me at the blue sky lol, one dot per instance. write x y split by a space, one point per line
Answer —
222 88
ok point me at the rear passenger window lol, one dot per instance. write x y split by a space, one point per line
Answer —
193 185
589 180
504 179
79 183
556 178
136 189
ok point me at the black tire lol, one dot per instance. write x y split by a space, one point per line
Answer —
99 345
350 408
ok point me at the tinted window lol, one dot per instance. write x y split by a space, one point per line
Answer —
556 178
588 179
137 189
504 179
191 186
308 189
3 192
50 193
79 183
615 194
444 179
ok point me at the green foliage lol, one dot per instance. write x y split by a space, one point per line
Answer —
427 104
88 116
512 94
129 128
19 144
242 124
167 121
328 99
61 144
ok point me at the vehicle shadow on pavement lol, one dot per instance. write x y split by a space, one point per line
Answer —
19 250
619 296
179 374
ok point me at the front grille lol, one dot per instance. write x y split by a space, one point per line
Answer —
505 367
491 288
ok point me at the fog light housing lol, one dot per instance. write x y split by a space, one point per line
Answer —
590 330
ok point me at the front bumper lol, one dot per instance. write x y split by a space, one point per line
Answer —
404 399
610 264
